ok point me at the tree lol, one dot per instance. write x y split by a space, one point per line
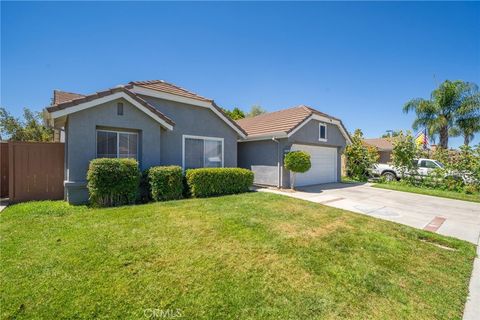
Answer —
467 123
256 111
390 134
404 151
359 157
297 161
448 103
31 128
235 114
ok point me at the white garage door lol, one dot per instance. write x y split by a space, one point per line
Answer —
324 165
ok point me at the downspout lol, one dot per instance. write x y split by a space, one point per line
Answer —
279 175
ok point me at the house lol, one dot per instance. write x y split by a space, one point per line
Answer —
155 122
271 135
384 147
159 123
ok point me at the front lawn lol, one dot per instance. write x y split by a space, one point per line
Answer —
249 256
430 192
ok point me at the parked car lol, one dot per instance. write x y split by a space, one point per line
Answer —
423 167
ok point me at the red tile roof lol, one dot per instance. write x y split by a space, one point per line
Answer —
279 121
64 100
63 96
383 144
100 94
160 85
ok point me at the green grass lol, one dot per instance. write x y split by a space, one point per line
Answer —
249 256
430 192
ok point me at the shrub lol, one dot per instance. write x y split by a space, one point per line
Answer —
206 182
359 157
113 182
297 161
166 182
471 189
404 151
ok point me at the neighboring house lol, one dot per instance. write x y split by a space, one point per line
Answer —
273 134
384 147
159 123
155 122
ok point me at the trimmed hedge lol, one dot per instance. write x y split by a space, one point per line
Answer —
297 161
207 182
166 182
113 182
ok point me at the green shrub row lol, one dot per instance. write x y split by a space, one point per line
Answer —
166 182
114 182
207 182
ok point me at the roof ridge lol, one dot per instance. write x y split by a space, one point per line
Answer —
63 91
148 82
272 112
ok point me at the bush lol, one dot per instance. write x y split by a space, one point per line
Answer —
359 157
297 161
471 189
113 182
206 182
404 151
166 183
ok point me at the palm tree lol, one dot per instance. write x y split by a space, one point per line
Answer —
466 128
451 101
467 123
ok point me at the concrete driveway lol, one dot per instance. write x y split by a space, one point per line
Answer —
459 219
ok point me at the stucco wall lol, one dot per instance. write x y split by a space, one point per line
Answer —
82 147
309 134
157 146
193 120
261 158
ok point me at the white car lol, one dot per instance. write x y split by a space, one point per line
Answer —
423 168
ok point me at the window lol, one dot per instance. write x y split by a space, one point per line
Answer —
322 134
114 144
202 152
120 109
428 164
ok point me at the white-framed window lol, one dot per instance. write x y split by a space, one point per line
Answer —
202 152
322 132
117 144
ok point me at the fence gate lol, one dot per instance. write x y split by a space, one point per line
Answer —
35 171
3 169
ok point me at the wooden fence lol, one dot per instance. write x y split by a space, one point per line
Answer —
36 171
4 169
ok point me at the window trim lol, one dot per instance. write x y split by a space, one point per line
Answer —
320 125
120 108
118 141
186 136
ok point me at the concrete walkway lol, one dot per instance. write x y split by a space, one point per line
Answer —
459 219
455 218
3 204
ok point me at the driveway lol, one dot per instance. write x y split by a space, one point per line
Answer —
459 219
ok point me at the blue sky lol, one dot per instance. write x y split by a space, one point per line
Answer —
357 61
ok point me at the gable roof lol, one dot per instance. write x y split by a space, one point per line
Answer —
285 122
55 109
163 86
63 96
63 100
382 144
164 90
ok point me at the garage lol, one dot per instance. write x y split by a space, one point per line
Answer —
324 165
270 136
